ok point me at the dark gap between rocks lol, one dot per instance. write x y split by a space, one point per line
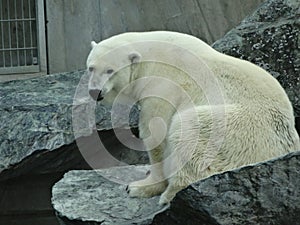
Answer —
25 189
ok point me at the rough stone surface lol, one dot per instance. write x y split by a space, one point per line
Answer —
270 38
36 117
266 193
99 197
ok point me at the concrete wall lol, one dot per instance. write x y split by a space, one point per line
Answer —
72 24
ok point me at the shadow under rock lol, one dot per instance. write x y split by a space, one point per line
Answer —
25 189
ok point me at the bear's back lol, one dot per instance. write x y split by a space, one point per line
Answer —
243 81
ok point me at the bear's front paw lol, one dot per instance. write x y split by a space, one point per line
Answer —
145 189
137 191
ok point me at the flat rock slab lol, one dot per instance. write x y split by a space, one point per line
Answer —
99 197
37 116
264 193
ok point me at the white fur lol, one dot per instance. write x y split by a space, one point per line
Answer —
238 116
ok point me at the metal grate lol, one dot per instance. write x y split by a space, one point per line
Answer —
19 44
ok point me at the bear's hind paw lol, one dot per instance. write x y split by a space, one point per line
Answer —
165 198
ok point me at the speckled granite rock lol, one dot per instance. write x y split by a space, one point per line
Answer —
99 197
270 38
36 118
266 193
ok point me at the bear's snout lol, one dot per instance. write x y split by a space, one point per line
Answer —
96 94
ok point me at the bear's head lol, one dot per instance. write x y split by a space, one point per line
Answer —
110 66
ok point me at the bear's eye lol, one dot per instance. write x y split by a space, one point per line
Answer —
109 71
91 69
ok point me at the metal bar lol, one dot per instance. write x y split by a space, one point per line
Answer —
30 26
41 39
23 27
17 20
9 34
2 32
15 49
19 70
17 34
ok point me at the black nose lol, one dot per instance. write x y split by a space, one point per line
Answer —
96 94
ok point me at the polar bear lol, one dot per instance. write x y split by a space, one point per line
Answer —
201 112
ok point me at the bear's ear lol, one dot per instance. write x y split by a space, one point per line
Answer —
93 44
134 57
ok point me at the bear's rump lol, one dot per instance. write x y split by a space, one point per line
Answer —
227 136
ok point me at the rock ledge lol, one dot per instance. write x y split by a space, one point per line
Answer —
99 197
264 193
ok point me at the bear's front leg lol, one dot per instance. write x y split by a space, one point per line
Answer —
155 116
152 185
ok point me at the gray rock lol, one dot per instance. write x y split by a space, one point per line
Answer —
36 118
99 197
266 193
270 39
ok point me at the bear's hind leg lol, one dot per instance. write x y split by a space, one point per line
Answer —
187 175
193 143
175 184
